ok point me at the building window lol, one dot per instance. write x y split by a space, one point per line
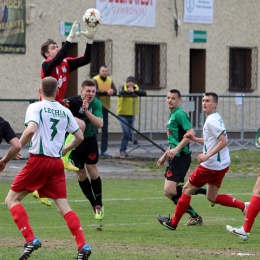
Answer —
243 69
101 54
150 65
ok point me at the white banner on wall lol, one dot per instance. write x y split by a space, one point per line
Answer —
198 11
128 12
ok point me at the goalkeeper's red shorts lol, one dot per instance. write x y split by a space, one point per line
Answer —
44 174
202 176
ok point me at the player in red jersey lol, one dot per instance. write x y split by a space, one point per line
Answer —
58 66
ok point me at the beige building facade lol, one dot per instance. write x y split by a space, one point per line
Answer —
226 63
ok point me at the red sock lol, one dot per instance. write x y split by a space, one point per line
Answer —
21 220
182 205
228 201
252 212
75 228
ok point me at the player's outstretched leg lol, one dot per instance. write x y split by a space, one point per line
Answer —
67 163
42 200
29 248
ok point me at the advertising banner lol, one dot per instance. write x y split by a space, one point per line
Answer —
12 26
128 12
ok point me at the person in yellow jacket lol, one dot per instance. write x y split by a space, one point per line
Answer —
127 108
105 89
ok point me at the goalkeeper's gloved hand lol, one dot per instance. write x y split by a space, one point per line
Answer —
89 33
73 33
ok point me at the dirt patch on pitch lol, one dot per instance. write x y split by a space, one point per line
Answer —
176 251
53 244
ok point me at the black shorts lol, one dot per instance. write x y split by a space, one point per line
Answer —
85 153
178 167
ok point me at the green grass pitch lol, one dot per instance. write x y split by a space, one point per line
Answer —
130 228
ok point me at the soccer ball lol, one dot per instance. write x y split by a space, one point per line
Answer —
92 17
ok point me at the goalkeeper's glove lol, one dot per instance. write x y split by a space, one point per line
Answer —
89 33
73 33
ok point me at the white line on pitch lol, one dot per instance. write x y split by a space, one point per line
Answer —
130 223
112 199
123 199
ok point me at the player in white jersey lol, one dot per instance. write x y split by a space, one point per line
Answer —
213 128
52 119
47 122
214 163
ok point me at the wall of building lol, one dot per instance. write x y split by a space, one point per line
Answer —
235 23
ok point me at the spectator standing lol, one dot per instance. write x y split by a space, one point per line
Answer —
105 89
127 109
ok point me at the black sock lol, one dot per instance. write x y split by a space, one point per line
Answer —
97 190
179 190
178 195
192 212
87 191
200 191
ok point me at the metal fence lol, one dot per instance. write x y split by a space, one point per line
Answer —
240 114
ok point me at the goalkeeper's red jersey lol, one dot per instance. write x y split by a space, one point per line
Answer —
61 73
61 66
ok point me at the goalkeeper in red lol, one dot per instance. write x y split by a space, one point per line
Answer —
57 65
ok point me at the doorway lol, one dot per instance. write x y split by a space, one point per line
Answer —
197 83
197 70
